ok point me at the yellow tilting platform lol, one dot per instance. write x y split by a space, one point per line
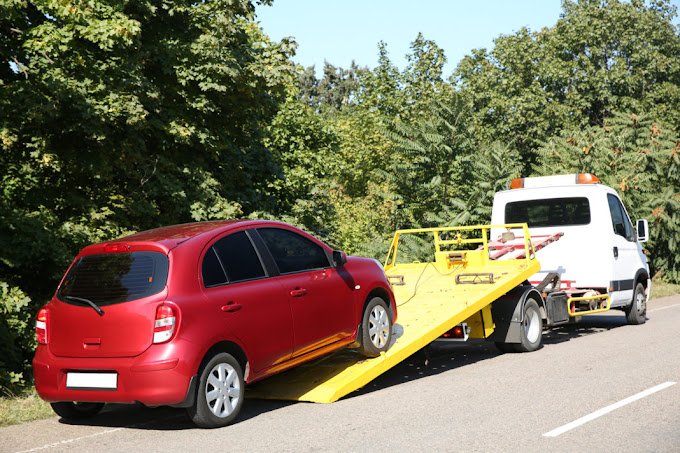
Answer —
432 297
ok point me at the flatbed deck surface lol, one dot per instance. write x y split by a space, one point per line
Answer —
429 302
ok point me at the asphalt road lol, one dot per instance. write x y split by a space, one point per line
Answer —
467 398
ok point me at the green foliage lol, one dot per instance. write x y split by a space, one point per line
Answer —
126 115
426 165
600 57
15 336
336 89
639 157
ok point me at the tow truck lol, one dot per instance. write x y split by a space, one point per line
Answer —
456 283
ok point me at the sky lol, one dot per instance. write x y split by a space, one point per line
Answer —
340 31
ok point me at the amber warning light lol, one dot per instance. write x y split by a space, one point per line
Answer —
549 181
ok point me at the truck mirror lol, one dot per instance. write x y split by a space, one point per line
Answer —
642 230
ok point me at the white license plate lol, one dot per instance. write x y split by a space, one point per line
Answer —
93 381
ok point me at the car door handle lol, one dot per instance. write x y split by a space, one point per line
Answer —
616 252
231 306
298 292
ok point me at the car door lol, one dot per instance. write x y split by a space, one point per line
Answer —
321 301
255 307
625 251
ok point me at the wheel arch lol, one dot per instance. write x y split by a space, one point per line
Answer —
508 312
230 348
641 276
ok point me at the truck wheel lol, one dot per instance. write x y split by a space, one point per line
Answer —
636 312
73 410
531 329
376 328
220 392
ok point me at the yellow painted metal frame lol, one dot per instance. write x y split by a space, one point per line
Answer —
429 304
588 312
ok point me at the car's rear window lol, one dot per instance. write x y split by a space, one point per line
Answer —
115 277
549 212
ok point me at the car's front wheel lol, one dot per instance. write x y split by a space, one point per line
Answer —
220 392
73 410
376 328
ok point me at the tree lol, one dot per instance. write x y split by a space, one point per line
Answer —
125 115
600 57
640 158
336 89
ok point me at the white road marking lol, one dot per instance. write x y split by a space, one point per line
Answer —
68 441
664 308
97 434
606 410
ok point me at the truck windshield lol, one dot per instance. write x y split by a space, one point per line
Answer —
113 278
549 212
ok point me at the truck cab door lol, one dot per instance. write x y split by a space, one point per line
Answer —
625 254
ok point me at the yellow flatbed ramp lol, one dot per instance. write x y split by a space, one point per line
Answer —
432 298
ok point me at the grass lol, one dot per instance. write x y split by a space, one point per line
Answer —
662 289
28 406
23 408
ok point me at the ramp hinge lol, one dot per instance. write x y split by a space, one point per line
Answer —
399 278
475 278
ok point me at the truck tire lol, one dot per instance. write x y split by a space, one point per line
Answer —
531 329
636 312
375 333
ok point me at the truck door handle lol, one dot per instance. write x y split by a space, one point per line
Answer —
616 252
298 292
231 306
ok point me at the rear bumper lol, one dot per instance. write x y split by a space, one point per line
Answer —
159 376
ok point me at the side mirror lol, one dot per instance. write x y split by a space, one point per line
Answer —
642 230
339 258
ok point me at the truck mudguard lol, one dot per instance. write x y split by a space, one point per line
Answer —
507 312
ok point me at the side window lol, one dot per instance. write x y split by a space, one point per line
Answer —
292 252
231 259
212 271
620 222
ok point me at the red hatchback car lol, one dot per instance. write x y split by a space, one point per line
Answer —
186 315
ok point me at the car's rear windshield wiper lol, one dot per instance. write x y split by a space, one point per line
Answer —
88 302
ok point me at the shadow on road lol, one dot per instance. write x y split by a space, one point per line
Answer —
165 418
437 358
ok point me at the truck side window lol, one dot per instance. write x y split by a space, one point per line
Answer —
620 221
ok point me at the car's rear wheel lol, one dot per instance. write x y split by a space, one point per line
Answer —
220 392
73 410
376 328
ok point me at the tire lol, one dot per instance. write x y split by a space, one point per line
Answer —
220 392
73 410
531 329
636 312
376 328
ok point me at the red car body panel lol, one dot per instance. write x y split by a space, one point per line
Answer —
277 321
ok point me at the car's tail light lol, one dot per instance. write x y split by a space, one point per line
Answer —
164 327
41 326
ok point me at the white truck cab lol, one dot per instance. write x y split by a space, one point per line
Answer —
599 250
